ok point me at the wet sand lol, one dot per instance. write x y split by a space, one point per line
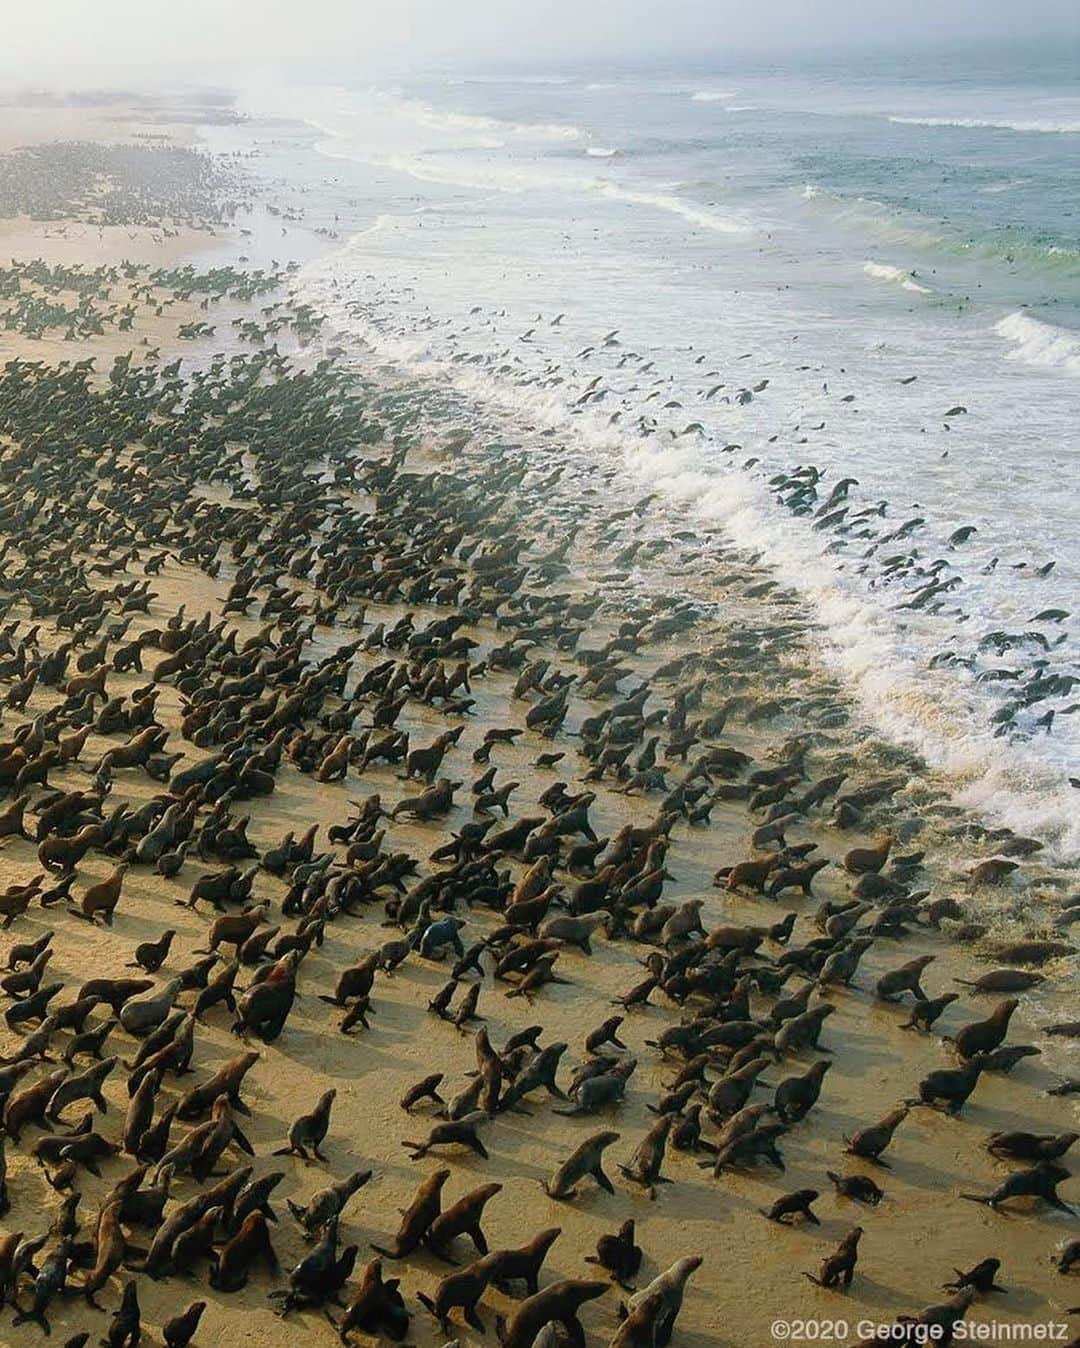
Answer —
751 1273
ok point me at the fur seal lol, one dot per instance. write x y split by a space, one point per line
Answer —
670 1287
523 1264
792 1205
81 1086
255 1196
605 1088
1004 1059
462 1218
104 896
181 1329
927 1010
981 1277
327 1203
1039 1182
559 1302
802 1032
904 979
871 1141
196 1243
539 1071
377 1307
49 1283
417 1218
983 1035
230 1271
187 1214
29 1104
952 1086
1030 1146
605 1033
140 1015
320 1275
859 1188
796 1096
638 1329
461 1290
226 1081
310 1129
455 1132
838 1269
110 1251
1002 980
151 955
618 1254
644 1166
584 1160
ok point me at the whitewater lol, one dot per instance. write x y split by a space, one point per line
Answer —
706 300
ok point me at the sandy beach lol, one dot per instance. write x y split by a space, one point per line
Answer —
749 662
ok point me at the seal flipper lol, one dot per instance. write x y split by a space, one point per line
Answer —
597 1173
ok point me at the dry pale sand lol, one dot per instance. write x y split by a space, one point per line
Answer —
752 1268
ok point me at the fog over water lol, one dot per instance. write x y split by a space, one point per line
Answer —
148 41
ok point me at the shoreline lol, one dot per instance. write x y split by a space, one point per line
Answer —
875 1063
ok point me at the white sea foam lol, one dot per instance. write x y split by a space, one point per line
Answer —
882 271
1038 343
440 120
488 177
693 214
710 96
993 124
599 152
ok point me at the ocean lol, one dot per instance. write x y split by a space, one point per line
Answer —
828 309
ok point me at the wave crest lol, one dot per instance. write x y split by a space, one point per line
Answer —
992 124
1038 343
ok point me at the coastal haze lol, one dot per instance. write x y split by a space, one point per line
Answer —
512 517
146 43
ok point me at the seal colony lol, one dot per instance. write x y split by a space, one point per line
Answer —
370 842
